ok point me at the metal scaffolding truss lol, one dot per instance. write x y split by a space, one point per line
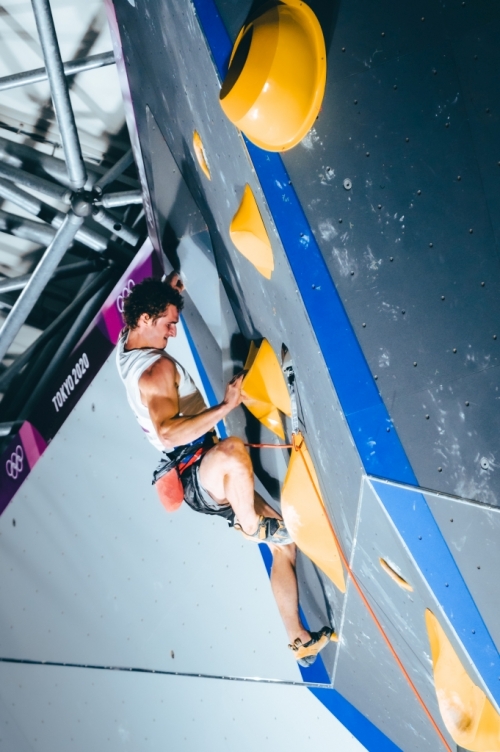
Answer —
86 197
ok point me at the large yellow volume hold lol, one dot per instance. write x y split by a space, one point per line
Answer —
264 389
469 716
305 517
249 235
277 73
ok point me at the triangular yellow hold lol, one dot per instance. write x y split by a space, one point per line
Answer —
200 154
305 517
469 716
264 388
249 235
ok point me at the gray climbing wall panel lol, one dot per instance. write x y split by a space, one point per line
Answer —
95 571
51 709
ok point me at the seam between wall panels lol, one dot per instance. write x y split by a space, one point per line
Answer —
351 559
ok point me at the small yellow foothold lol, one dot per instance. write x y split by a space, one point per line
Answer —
305 517
394 575
200 154
469 716
264 388
248 233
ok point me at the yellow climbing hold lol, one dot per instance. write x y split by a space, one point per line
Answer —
305 517
201 157
469 716
277 73
249 235
264 388
394 575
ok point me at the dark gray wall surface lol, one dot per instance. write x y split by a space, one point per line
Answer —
420 87
411 117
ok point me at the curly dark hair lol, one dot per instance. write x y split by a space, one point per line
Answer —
150 296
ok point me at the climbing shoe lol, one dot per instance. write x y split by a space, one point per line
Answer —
306 652
269 530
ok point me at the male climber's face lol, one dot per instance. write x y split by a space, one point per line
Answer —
163 327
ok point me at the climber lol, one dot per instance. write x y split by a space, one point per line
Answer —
213 477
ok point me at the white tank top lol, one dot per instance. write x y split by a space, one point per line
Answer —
132 364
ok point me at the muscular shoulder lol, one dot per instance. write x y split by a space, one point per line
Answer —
160 376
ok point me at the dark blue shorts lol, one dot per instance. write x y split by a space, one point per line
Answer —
187 459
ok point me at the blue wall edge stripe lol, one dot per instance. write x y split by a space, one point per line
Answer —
363 729
317 673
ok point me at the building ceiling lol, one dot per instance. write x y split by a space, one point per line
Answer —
30 140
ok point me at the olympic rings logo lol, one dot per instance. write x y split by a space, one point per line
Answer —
120 303
14 465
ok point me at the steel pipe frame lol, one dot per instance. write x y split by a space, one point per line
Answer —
77 176
60 94
21 389
138 218
106 282
92 239
121 198
7 428
115 226
50 331
86 236
36 232
34 183
114 172
40 277
11 284
48 214
16 155
28 203
70 69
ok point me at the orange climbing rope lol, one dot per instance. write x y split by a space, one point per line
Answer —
372 613
298 448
